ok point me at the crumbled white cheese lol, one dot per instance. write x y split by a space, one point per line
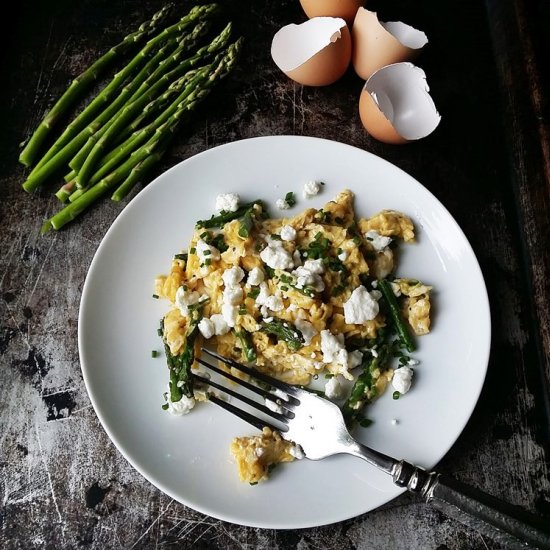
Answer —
310 275
396 289
276 257
311 189
362 306
181 407
206 251
413 362
227 202
185 298
274 303
334 389
297 452
220 325
343 256
288 233
402 379
281 204
273 406
297 258
263 295
233 295
331 345
377 241
233 276
229 313
307 329
207 328
255 277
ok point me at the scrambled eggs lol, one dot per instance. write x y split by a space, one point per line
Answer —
297 297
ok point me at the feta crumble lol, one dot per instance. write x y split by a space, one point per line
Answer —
227 202
233 276
281 204
233 295
343 256
255 277
362 306
334 389
310 275
288 233
311 189
229 313
276 257
207 328
307 329
181 407
185 298
220 325
402 379
377 241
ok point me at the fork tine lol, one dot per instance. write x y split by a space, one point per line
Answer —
291 391
250 418
273 414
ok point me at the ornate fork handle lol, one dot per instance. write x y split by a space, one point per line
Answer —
506 524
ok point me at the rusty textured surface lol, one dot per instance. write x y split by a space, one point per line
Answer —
62 482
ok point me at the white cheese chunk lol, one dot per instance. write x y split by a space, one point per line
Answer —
207 328
362 306
233 295
206 251
288 233
181 407
276 257
274 303
377 241
227 202
402 379
334 389
311 189
281 204
220 325
233 276
255 277
185 298
229 313
307 329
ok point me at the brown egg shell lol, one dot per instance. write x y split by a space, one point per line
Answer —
374 121
374 46
346 9
327 65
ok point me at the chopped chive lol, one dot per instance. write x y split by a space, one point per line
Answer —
275 237
242 310
165 407
192 250
290 198
284 288
154 353
207 252
156 296
180 257
365 422
207 261
396 395
254 293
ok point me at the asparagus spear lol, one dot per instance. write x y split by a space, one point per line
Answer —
131 110
226 217
284 331
136 175
364 389
82 82
402 330
248 351
155 68
74 129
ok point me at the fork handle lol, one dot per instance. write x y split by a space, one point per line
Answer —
505 523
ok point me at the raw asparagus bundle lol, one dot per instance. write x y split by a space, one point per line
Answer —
124 131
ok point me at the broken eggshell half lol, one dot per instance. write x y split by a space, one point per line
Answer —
346 9
376 44
314 53
395 106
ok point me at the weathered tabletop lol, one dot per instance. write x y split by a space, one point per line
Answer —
62 482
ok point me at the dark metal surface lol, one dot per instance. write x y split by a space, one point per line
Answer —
62 482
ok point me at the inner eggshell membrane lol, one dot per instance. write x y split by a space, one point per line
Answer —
294 44
407 35
401 93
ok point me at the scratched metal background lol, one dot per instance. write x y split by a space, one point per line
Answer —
62 482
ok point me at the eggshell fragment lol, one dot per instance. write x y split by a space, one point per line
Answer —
376 44
314 53
395 106
346 9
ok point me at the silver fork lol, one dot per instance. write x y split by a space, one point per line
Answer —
317 425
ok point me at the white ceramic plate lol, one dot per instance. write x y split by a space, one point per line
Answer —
188 457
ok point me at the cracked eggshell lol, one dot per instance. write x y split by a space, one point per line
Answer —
395 106
314 53
376 44
346 9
